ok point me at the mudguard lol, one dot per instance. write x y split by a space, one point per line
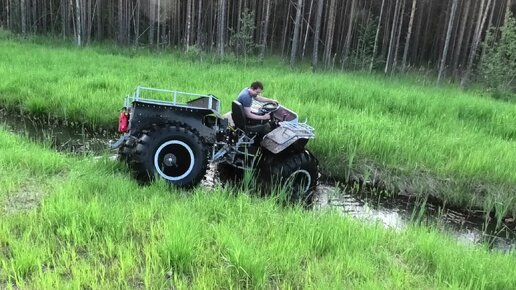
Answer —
285 135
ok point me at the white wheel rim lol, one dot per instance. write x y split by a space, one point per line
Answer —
157 161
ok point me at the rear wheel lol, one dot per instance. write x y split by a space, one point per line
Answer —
295 173
174 153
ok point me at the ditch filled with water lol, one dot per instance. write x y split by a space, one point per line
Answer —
396 211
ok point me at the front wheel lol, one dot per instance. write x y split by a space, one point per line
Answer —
174 153
295 173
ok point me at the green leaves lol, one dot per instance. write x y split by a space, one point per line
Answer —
498 63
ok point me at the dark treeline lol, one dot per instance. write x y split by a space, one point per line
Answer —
388 35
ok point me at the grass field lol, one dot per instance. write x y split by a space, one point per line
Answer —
79 222
414 137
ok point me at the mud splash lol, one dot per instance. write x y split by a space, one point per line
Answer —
395 212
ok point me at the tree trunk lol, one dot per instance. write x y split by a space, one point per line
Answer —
339 28
297 28
363 44
265 29
84 20
199 23
398 36
87 20
111 19
193 22
469 35
136 21
211 25
409 34
377 36
23 12
99 30
239 12
347 42
78 23
34 20
482 15
428 21
152 20
447 42
307 27
64 17
8 14
329 33
317 34
158 24
121 22
285 30
52 17
460 36
221 27
489 26
188 23
43 14
392 38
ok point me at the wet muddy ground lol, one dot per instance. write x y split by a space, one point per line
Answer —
394 212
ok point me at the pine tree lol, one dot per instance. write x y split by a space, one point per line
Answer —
498 63
242 40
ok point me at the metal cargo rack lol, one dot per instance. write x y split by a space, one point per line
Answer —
201 102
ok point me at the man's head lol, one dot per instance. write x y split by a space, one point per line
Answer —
256 88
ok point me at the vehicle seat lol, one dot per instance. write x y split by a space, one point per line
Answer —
241 121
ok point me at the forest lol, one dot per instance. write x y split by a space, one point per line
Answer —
372 35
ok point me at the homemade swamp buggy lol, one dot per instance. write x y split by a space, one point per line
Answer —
173 139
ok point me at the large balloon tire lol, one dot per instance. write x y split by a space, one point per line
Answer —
175 153
295 172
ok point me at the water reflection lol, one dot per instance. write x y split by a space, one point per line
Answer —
397 212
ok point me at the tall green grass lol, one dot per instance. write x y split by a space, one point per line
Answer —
416 138
94 227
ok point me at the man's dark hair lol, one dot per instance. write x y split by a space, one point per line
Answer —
255 85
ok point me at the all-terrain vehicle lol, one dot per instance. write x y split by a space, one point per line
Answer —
176 140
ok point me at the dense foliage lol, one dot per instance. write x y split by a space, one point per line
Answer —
498 66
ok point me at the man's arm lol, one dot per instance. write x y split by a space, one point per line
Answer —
250 115
265 100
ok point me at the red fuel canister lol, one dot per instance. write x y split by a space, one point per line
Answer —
123 122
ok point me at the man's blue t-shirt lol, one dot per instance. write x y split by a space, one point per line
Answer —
245 98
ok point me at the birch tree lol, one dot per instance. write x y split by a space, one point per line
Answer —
447 42
394 28
409 34
460 37
476 41
221 27
375 46
78 23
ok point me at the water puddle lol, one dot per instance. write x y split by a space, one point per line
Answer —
394 212
69 138
398 212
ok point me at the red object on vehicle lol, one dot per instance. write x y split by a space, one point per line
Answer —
123 122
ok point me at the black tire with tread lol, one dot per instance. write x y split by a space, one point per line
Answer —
274 168
141 157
